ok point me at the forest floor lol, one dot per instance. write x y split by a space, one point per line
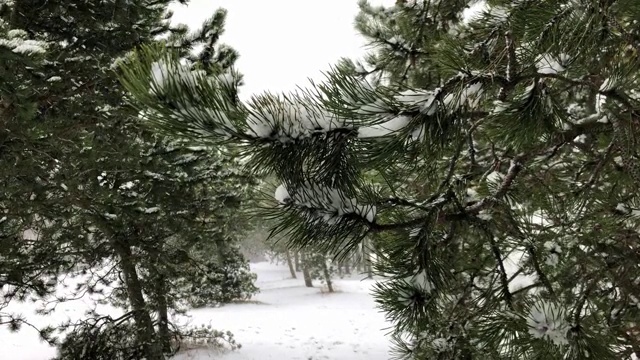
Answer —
285 321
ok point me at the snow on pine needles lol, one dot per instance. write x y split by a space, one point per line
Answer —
547 321
323 203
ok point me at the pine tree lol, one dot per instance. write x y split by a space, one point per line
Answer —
166 212
73 100
26 265
320 268
493 160
108 199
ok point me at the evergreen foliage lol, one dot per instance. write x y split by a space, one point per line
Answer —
136 217
495 157
218 281
102 339
26 266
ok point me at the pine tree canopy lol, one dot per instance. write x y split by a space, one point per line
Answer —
139 219
494 160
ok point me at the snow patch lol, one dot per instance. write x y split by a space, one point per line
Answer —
282 195
25 47
549 64
385 129
151 210
110 216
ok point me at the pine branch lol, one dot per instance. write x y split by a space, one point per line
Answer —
596 172
525 288
375 227
536 265
472 150
625 147
451 168
486 202
582 301
512 65
503 273
514 169
395 201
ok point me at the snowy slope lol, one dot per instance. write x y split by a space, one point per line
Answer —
286 322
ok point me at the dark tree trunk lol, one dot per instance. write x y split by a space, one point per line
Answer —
347 269
305 271
144 326
327 276
292 270
163 314
222 249
296 260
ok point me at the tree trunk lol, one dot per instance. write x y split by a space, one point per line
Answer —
144 326
296 260
340 269
366 258
163 314
327 276
347 269
305 271
292 270
222 249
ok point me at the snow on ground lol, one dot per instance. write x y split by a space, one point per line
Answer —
285 321
295 322
26 344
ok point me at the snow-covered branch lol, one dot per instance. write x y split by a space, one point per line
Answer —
326 204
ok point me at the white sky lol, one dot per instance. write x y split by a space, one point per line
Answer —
282 43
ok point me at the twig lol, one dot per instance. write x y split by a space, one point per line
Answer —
596 172
452 167
513 171
395 201
497 255
538 269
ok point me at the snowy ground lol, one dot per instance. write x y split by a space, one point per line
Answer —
288 322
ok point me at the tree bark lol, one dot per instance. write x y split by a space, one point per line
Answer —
163 314
222 250
327 276
144 326
305 271
347 269
292 270
366 258
296 260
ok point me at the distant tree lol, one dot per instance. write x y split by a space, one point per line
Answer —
292 268
320 269
306 272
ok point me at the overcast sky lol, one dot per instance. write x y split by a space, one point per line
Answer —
283 42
